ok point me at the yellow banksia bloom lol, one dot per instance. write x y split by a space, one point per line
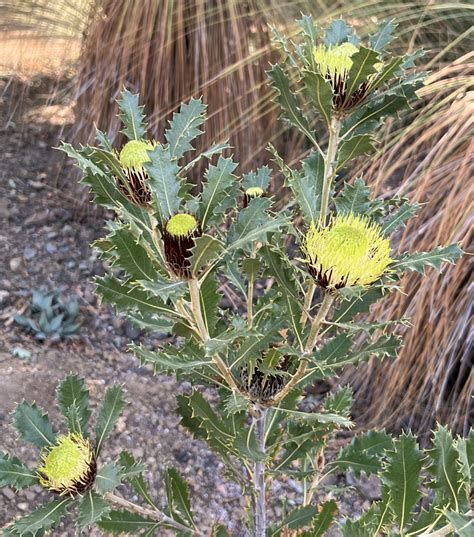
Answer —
351 250
178 237
132 157
69 466
334 63
251 193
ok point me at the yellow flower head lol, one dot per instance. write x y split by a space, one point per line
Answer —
351 250
134 154
181 225
254 192
334 61
69 466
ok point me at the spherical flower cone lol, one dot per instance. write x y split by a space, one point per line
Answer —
132 157
69 466
251 193
178 236
351 250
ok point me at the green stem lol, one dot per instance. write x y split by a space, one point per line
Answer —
195 294
153 514
260 512
312 338
308 299
329 167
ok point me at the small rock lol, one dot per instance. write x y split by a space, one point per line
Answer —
70 264
15 263
23 506
51 248
3 295
29 253
37 219
138 452
9 493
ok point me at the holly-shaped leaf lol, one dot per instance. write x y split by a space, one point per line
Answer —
13 473
73 393
33 425
401 476
184 127
132 116
111 408
91 509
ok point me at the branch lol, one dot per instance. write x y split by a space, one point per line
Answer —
153 514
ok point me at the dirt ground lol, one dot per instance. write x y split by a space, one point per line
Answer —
44 243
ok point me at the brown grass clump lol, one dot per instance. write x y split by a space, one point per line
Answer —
172 51
432 379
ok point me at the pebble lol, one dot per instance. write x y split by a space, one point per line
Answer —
29 253
9 493
51 248
15 263
37 219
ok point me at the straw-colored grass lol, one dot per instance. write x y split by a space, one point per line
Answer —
432 379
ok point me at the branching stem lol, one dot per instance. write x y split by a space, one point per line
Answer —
310 344
151 513
195 294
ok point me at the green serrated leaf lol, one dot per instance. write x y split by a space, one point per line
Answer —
171 359
445 468
33 425
364 453
339 402
43 518
117 522
401 475
91 509
383 347
126 298
131 256
354 147
462 523
419 260
387 72
337 33
205 250
163 289
354 198
13 473
307 187
73 401
111 408
297 519
288 102
219 180
320 92
164 181
131 115
323 520
184 127
133 472
107 478
383 36
253 224
363 66
177 492
399 217
258 178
